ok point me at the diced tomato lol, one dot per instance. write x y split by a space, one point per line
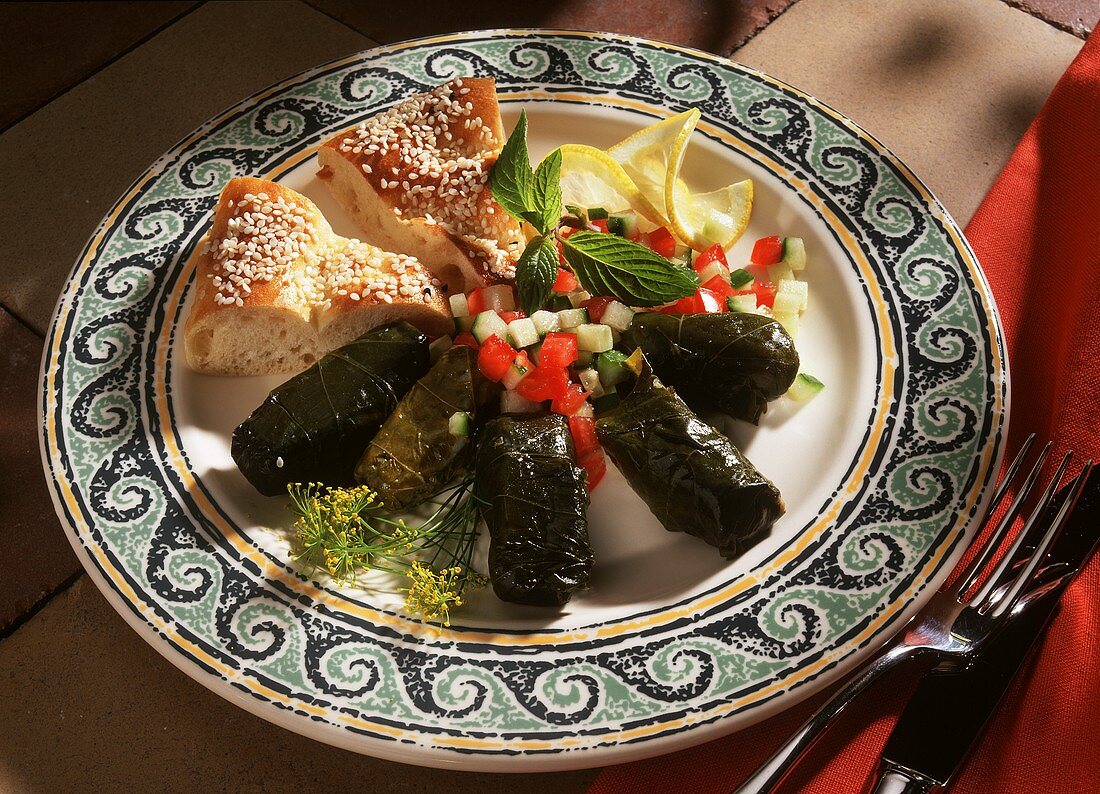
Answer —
494 358
758 272
765 292
509 316
661 241
601 224
704 301
583 429
566 281
568 230
713 254
720 287
559 349
476 301
568 403
466 338
544 383
767 250
596 307
595 467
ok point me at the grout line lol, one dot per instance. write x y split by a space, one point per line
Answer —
23 322
143 40
39 605
760 29
1031 11
334 18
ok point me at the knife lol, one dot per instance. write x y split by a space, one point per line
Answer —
925 751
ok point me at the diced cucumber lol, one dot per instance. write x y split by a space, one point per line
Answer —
612 368
487 324
805 388
438 347
791 297
520 368
463 324
512 403
499 298
533 353
522 333
585 358
459 424
740 279
584 411
712 270
718 227
590 379
571 318
545 322
624 224
780 271
617 316
789 322
745 302
578 297
597 214
558 302
763 310
605 402
460 307
595 337
794 253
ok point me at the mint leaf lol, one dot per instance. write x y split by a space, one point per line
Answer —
535 273
547 192
511 180
606 264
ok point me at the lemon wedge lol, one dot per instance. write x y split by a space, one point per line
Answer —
702 219
648 157
590 177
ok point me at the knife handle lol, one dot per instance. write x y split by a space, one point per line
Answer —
892 779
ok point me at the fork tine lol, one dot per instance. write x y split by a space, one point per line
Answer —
999 575
1023 578
989 547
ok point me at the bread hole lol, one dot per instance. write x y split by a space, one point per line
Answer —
308 359
201 343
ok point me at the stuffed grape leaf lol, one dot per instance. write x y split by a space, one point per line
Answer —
735 361
314 427
692 477
534 501
415 454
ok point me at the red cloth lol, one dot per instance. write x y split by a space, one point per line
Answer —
1037 236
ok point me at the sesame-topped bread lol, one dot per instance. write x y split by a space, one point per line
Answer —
415 179
277 288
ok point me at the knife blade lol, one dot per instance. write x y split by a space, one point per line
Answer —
925 750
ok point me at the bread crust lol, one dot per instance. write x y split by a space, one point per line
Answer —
413 189
276 288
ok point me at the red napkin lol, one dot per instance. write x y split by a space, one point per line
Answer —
1037 236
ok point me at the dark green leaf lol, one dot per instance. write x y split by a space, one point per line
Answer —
606 264
535 273
547 192
511 180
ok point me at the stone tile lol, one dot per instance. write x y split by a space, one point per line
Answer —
1078 17
86 705
66 42
35 557
713 25
948 85
107 130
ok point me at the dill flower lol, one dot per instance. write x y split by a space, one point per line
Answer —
432 593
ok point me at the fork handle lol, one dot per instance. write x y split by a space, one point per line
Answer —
775 770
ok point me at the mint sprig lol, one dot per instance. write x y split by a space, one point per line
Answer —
535 273
606 264
533 196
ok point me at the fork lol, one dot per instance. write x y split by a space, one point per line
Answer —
961 615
